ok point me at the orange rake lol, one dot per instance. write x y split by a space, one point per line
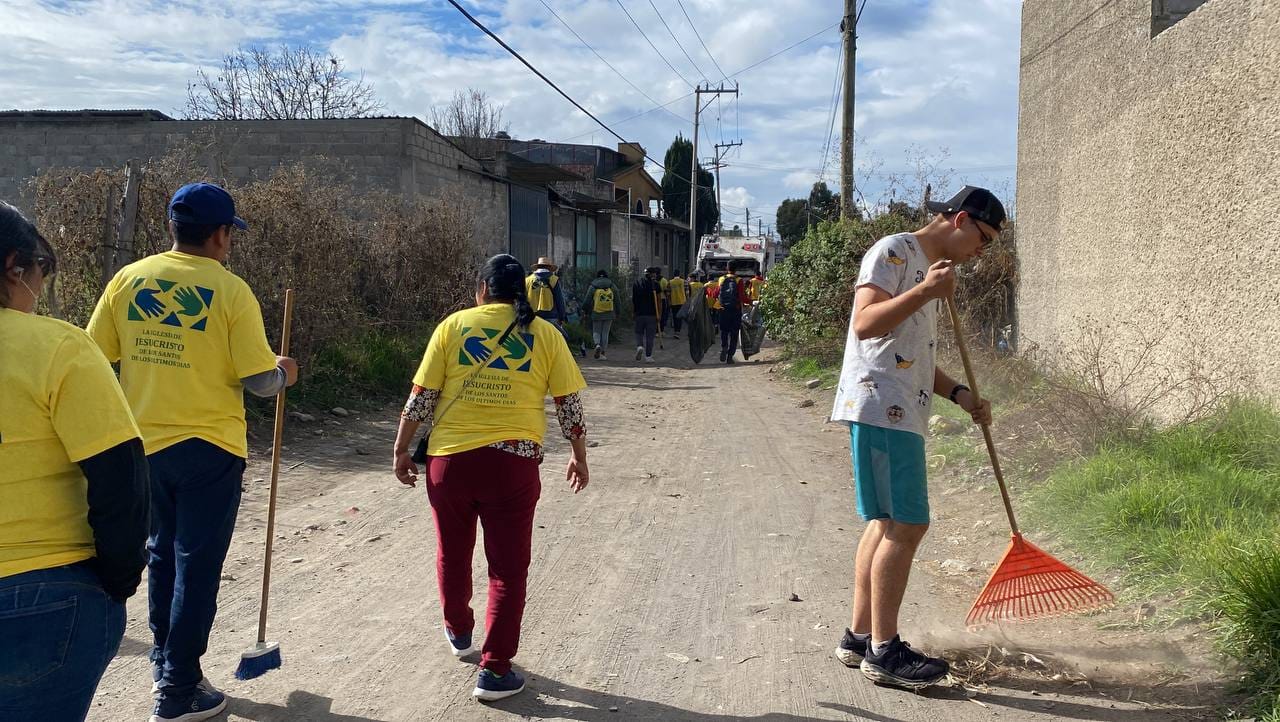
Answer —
1027 583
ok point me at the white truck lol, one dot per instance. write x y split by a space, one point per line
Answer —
741 255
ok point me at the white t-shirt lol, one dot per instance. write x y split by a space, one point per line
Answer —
888 381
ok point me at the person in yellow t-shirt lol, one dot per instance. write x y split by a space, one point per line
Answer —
73 496
677 295
189 338
481 391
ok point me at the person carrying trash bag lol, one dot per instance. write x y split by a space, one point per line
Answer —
73 496
480 391
601 304
729 297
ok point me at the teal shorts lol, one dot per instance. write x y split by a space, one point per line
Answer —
889 474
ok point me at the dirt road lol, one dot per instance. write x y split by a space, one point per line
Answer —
663 592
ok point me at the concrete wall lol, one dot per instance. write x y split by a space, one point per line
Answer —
401 155
1147 175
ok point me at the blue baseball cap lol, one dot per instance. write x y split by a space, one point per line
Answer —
205 204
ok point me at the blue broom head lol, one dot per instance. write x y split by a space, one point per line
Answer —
260 659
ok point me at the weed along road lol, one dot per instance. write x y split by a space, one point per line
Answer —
704 575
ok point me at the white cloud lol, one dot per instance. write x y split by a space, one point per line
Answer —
932 73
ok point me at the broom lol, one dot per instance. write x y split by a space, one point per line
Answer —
1027 583
264 656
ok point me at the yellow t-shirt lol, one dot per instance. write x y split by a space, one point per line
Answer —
507 400
59 405
185 331
753 289
677 292
695 287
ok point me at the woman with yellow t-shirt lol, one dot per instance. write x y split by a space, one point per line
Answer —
73 497
481 391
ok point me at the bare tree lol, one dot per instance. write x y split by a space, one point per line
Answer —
255 83
469 118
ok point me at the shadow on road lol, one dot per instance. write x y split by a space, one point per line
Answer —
299 706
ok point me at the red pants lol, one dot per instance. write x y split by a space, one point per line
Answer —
501 490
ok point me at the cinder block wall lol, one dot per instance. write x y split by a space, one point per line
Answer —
400 155
1147 175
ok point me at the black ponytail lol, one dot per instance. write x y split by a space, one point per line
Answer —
504 276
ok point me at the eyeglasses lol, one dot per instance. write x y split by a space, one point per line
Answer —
986 240
48 265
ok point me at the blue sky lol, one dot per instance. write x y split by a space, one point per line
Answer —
936 79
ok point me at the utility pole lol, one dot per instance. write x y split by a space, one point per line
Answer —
849 29
694 240
747 231
718 165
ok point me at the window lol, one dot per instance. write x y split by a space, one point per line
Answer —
585 243
1166 13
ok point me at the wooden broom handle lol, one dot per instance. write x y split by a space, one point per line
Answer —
986 429
275 472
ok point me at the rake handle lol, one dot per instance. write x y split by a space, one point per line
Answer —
986 428
275 472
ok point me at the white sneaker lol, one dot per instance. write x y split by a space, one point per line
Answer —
598 352
603 357
648 359
639 352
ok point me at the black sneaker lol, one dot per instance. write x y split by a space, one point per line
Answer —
851 650
722 355
901 666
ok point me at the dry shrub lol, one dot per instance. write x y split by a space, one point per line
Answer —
354 259
1117 380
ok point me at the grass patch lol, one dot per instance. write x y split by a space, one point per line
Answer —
1192 512
376 364
804 368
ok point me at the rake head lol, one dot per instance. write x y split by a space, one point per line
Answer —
1029 583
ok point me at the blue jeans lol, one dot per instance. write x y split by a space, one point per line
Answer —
195 494
58 631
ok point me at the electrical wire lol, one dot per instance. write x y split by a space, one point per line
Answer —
659 106
647 40
837 91
677 40
723 76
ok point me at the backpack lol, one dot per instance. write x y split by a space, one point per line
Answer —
602 302
729 293
539 292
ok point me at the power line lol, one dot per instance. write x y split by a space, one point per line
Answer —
723 77
647 40
835 102
789 47
606 62
548 81
677 40
738 120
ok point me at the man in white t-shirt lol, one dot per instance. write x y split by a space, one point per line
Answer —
887 384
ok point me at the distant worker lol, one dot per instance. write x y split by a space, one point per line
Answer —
677 295
601 306
729 295
542 287
644 294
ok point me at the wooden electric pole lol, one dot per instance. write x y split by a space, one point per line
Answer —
717 164
694 240
849 29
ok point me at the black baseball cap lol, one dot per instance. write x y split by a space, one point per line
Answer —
980 203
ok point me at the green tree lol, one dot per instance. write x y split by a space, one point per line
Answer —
792 222
675 187
824 205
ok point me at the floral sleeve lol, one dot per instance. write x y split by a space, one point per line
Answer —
569 414
421 406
